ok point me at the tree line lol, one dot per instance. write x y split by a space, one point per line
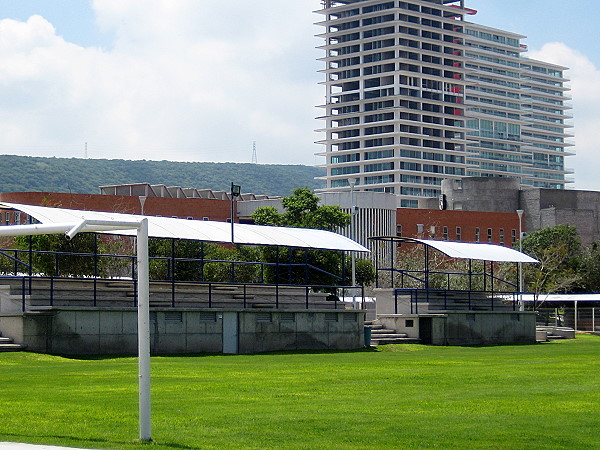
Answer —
84 176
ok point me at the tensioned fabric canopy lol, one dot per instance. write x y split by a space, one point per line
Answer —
200 230
465 250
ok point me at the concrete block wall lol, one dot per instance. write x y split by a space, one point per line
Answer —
87 331
486 328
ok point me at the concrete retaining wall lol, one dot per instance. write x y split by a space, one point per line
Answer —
465 327
88 331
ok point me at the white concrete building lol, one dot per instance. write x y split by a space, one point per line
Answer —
416 94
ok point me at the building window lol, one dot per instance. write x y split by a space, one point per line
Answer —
477 234
17 218
490 235
7 218
513 234
458 233
432 232
399 230
445 233
420 227
501 236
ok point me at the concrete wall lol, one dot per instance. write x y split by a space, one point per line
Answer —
483 194
178 331
486 327
466 327
401 323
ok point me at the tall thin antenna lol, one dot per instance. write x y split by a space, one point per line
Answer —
254 160
86 154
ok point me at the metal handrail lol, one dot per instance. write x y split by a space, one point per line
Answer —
211 286
414 297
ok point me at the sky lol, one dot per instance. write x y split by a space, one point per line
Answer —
190 80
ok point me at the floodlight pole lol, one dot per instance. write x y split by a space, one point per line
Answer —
235 191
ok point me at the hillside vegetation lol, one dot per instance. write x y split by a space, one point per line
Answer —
84 176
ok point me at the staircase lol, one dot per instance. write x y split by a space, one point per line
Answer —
7 345
556 333
383 336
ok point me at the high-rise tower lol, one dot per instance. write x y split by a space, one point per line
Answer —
416 94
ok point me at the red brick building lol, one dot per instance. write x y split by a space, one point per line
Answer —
184 208
465 226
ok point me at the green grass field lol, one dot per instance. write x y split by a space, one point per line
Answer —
403 396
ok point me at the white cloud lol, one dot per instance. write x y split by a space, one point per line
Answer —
585 91
183 80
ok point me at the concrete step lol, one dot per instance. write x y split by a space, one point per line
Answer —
379 331
7 345
383 336
405 340
11 347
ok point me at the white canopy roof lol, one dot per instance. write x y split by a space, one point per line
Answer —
465 250
201 230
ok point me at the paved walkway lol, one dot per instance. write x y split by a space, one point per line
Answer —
15 446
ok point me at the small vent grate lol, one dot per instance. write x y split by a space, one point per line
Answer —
350 317
208 317
264 317
331 317
173 316
288 317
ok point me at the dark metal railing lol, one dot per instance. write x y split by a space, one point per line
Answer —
124 267
425 279
454 299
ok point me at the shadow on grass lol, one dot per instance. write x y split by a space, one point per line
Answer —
71 441
222 355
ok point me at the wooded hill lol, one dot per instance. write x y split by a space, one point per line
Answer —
84 176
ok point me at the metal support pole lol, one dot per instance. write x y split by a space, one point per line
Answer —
232 236
172 272
492 283
144 331
575 315
521 304
95 268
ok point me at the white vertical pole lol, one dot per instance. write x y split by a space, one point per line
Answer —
575 315
144 331
521 304
593 319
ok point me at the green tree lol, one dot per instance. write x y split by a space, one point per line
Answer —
558 250
589 268
75 262
201 261
302 210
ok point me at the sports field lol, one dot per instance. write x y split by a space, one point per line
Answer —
402 396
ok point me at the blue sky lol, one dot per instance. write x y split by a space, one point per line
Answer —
201 80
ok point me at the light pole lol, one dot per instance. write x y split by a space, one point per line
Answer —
520 214
142 202
236 189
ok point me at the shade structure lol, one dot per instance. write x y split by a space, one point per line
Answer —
200 230
465 250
